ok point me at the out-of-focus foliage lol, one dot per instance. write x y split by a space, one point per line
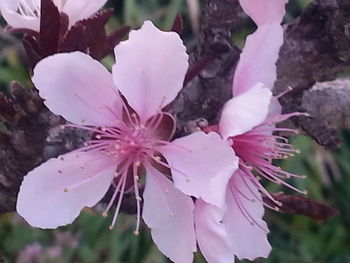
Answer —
295 239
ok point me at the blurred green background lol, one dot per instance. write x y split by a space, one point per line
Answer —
295 239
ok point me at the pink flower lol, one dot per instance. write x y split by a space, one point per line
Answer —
26 13
131 139
248 122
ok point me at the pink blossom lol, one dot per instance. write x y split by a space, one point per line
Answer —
248 123
26 13
264 11
131 140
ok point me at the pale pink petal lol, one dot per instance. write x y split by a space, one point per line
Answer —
150 69
264 11
8 10
201 165
211 233
275 108
169 214
247 232
79 88
81 9
244 112
258 59
54 193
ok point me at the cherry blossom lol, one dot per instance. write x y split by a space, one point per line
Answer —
25 14
248 123
130 148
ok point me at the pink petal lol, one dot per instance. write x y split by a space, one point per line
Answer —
8 10
81 9
258 58
247 232
211 233
79 88
54 193
264 11
246 111
169 214
150 69
201 165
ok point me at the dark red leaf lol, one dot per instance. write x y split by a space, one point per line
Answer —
178 25
97 45
292 204
115 38
32 49
64 24
71 41
50 26
94 38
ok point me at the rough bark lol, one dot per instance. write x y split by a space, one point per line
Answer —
315 50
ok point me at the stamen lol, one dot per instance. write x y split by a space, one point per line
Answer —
138 198
119 201
111 201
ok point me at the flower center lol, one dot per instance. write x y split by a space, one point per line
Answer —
130 144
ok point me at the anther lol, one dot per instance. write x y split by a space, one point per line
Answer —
138 198
65 190
136 233
61 158
98 137
111 227
104 214
60 171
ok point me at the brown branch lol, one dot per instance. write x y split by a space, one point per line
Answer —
316 49
328 102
